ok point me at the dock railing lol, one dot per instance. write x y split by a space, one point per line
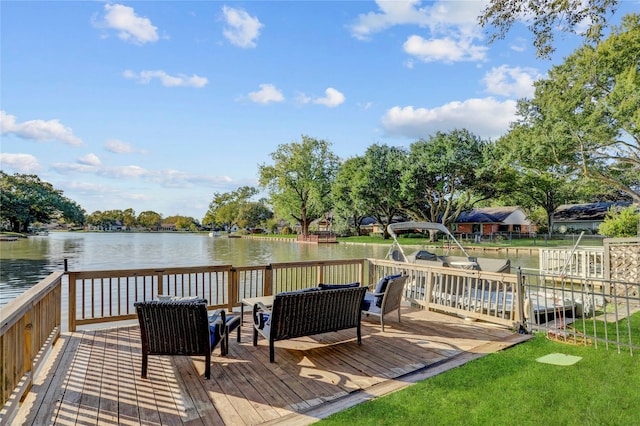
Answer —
583 262
107 296
30 326
480 295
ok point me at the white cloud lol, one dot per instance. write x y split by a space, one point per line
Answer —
21 163
267 93
90 160
486 117
39 130
452 28
181 80
390 13
514 82
332 98
242 29
166 178
118 147
444 49
131 28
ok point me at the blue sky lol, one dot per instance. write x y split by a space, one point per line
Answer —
157 105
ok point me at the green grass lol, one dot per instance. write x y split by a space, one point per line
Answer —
511 388
609 330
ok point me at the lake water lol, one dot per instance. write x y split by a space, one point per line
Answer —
27 261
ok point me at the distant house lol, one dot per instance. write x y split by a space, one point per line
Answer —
493 220
583 217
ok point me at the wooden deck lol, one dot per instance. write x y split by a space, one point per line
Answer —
93 377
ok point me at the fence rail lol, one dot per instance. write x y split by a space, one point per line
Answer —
30 325
584 311
106 296
584 262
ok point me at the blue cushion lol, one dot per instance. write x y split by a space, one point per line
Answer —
382 286
304 290
337 286
214 333
232 321
264 320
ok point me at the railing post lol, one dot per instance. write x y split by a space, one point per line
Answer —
267 288
72 301
28 354
233 288
520 297
159 277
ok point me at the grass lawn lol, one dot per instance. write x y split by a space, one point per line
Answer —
511 388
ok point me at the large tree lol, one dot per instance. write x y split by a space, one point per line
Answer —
254 214
376 183
446 174
25 199
545 18
586 114
225 208
150 220
348 210
299 180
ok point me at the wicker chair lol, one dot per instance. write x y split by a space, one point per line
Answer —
386 298
183 327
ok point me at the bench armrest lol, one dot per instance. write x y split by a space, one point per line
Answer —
260 310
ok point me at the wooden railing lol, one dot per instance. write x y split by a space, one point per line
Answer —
486 296
30 326
106 296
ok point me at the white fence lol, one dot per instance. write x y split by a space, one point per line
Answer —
583 262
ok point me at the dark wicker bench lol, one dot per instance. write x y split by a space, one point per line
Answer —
183 327
305 313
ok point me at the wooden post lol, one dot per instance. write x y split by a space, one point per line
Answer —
72 301
267 289
28 354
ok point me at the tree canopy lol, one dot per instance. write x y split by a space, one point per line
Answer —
441 174
227 209
544 18
299 180
25 199
586 115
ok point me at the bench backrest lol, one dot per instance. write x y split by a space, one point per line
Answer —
300 314
174 327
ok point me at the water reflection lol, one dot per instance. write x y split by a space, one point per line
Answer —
27 261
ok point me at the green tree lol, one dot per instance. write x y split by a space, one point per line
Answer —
254 214
348 210
182 223
129 218
25 199
299 182
376 183
441 177
621 223
150 220
224 209
547 17
586 115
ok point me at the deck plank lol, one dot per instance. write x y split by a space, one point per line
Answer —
95 375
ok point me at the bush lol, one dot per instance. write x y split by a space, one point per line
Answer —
623 223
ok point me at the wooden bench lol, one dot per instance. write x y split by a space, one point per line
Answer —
308 312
